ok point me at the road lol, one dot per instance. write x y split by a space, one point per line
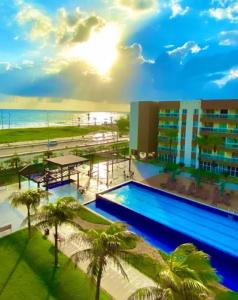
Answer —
63 144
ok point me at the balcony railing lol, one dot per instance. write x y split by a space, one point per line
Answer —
231 146
220 158
168 126
169 115
219 130
221 116
163 148
166 139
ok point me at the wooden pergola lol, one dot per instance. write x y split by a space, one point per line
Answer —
66 165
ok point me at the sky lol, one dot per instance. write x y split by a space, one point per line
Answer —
104 54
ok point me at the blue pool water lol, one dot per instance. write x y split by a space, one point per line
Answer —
165 221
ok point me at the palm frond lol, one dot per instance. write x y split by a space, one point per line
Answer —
149 293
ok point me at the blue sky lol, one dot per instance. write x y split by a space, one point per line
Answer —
95 54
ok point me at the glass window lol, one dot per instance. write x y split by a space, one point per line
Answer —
184 111
195 111
195 124
183 123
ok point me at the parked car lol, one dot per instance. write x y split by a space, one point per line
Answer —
52 143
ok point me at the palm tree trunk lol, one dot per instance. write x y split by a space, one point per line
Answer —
29 221
56 245
99 277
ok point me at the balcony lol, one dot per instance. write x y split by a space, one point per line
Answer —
221 116
219 130
166 139
218 158
170 127
175 115
167 149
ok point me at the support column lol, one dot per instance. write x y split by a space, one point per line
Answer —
61 170
19 181
107 174
130 164
77 180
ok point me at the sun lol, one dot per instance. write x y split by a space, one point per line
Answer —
100 51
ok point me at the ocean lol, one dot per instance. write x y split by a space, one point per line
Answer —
24 118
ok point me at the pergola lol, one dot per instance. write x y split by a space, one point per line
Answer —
113 157
66 166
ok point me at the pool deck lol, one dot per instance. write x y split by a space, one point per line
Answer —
155 181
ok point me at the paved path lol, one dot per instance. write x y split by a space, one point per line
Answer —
113 282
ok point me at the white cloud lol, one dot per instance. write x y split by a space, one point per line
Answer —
169 46
138 5
228 12
41 24
228 38
8 66
228 76
189 47
177 9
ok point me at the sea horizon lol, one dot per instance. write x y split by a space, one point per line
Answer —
32 118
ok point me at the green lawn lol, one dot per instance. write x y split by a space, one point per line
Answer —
26 272
31 134
89 216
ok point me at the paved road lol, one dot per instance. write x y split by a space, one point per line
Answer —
29 148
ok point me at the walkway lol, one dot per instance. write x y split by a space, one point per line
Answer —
113 282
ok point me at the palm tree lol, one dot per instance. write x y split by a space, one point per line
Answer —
215 141
186 275
171 135
173 169
15 161
104 246
63 211
201 141
31 199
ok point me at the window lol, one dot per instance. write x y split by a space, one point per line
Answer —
184 123
184 111
195 123
194 149
182 147
195 111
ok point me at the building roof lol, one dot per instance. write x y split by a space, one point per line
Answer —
67 160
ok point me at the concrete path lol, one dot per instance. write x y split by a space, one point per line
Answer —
113 282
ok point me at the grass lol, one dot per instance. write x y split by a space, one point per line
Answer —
32 134
89 216
145 264
27 272
8 176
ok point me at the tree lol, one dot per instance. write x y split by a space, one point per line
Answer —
103 246
48 154
198 175
173 169
201 141
186 275
215 141
171 135
31 199
15 161
123 125
78 152
63 211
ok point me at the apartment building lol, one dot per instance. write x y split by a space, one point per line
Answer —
169 130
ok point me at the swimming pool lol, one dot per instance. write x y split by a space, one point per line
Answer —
166 220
